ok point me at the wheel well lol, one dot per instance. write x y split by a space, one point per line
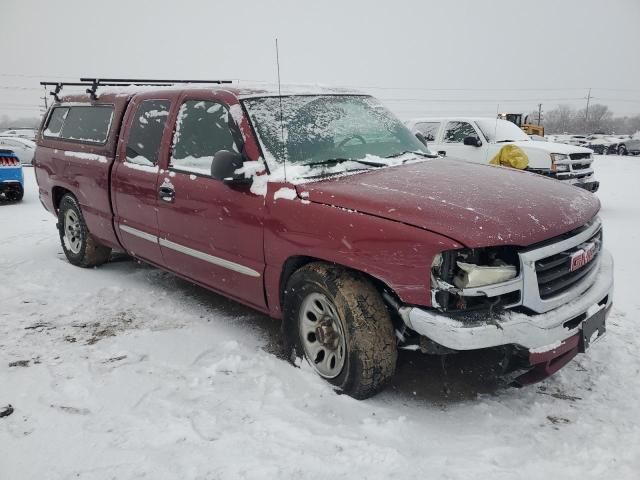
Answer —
295 263
56 195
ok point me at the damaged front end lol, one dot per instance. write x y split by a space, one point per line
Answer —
467 280
540 305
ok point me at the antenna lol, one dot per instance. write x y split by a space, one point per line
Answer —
495 130
284 146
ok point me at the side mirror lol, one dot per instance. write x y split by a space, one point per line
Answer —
422 138
224 166
472 141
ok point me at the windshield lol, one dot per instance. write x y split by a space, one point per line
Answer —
327 128
501 131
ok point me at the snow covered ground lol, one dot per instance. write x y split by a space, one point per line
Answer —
127 372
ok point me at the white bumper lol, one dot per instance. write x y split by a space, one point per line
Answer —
536 332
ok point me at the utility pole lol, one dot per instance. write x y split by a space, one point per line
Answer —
46 107
539 113
586 114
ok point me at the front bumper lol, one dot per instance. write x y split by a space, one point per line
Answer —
538 332
587 182
589 186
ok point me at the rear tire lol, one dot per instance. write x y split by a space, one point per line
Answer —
15 194
78 245
338 321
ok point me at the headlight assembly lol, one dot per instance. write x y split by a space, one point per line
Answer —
556 165
470 275
458 275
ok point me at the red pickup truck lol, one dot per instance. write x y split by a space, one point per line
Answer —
318 207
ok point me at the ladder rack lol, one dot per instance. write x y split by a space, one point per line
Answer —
95 83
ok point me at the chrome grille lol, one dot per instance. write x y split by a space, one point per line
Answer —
554 272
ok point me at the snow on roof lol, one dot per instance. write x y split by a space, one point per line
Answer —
240 90
449 119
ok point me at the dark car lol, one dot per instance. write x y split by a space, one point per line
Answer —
633 145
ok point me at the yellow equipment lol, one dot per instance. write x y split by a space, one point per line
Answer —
511 156
528 128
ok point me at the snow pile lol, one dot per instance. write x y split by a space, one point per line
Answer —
286 193
125 371
86 156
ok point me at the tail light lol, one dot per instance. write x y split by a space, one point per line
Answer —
9 162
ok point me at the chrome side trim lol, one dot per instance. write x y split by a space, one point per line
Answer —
221 262
138 233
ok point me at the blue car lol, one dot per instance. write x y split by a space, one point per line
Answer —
11 177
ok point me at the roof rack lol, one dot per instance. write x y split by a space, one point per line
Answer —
94 83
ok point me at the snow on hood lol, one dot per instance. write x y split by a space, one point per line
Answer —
551 147
476 205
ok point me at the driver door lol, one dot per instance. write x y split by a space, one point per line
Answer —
210 232
453 142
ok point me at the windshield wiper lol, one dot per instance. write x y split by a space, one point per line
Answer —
415 152
505 141
336 161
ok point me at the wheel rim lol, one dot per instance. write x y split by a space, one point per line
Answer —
72 231
322 335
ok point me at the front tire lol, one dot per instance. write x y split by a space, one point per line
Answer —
622 150
337 321
77 243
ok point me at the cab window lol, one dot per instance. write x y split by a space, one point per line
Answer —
457 131
146 132
202 129
429 130
84 124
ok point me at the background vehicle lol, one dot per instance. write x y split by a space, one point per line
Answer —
633 145
538 138
577 140
528 128
478 140
11 177
607 144
20 132
22 147
358 242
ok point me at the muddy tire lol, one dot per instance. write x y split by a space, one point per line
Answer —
78 245
338 321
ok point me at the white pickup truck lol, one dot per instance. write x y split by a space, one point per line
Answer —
478 140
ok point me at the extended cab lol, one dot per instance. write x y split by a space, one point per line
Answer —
322 209
478 140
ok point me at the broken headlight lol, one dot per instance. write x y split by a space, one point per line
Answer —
454 271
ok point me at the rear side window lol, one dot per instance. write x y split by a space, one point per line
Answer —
146 132
429 130
202 129
54 127
82 123
457 131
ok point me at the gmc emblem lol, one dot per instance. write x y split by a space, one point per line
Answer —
583 256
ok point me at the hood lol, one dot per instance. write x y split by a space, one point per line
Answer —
551 147
476 205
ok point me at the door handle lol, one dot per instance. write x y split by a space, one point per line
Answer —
167 194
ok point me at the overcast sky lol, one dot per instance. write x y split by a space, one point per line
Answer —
421 57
